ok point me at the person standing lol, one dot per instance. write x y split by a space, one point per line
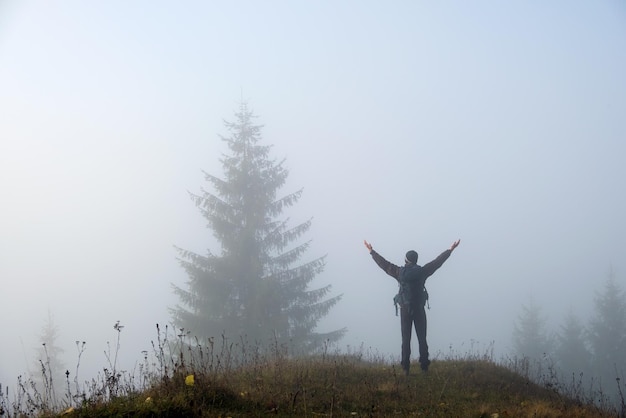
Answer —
412 298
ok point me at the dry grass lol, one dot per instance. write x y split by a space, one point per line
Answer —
236 380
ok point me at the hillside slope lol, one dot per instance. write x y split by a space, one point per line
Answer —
344 386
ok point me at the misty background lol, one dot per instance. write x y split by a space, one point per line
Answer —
409 124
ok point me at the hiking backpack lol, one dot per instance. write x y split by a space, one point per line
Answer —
409 283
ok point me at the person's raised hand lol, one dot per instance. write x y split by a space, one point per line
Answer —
367 245
455 244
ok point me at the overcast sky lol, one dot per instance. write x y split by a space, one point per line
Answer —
407 123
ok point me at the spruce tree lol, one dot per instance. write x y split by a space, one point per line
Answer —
49 368
530 338
255 288
607 334
572 354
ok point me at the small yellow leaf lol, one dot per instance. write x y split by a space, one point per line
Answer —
148 399
189 380
68 411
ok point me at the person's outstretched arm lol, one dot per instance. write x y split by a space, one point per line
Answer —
390 269
432 267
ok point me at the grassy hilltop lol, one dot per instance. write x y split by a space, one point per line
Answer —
234 379
338 385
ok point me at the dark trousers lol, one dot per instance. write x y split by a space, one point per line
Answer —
411 315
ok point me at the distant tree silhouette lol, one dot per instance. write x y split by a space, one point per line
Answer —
571 353
49 368
253 288
607 334
530 338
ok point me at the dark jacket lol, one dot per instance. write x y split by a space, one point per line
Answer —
425 271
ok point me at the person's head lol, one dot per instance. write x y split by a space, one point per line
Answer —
410 257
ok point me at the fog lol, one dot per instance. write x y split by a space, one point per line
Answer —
409 124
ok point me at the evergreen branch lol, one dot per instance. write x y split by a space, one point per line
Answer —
279 205
280 237
286 259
